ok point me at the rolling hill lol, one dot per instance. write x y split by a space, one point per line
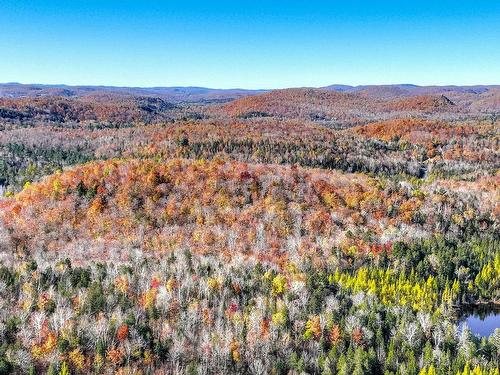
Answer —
424 103
304 103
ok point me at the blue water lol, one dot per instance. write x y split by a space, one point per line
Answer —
481 323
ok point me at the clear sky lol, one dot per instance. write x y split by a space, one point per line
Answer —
249 44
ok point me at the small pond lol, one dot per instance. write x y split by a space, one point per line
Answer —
482 320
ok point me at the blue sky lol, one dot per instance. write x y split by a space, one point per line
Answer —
249 44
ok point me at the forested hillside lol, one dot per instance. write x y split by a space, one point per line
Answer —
342 230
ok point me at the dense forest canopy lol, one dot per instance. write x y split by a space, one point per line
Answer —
339 230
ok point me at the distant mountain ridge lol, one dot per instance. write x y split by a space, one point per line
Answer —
195 93
412 89
174 93
337 105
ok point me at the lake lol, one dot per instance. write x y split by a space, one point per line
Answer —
481 320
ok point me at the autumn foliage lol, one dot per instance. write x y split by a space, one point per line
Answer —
298 231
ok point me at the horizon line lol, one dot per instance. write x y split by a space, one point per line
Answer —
244 89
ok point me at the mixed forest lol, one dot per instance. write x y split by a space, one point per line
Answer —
340 230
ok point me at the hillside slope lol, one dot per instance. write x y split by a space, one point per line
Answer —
304 103
105 209
425 103
116 110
